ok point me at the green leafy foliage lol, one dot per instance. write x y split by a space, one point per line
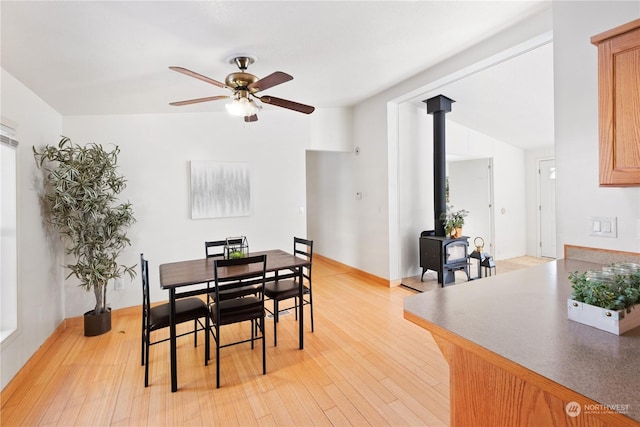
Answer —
452 219
81 188
621 294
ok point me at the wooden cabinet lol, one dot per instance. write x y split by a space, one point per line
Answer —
619 104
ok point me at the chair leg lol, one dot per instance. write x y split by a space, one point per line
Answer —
276 319
142 350
195 332
146 361
207 350
217 356
253 333
311 307
264 347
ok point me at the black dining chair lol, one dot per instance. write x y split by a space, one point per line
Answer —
231 274
157 317
280 290
215 249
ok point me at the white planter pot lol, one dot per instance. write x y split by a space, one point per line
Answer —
615 321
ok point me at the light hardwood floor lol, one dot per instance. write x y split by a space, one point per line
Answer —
364 365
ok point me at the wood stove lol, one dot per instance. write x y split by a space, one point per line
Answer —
438 252
444 255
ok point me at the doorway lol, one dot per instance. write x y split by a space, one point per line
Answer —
406 221
547 208
471 188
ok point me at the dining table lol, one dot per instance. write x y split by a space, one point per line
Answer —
198 275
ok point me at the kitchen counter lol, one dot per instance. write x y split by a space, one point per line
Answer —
515 324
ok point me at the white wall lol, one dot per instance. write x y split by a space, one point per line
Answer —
331 129
155 155
578 195
346 228
415 183
509 202
40 295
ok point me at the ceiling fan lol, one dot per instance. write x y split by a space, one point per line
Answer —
244 87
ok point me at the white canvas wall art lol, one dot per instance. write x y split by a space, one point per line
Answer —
219 189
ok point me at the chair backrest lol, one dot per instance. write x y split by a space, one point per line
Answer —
215 248
304 248
146 298
240 273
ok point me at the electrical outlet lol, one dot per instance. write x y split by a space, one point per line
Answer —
119 285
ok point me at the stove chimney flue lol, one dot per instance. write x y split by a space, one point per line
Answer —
438 106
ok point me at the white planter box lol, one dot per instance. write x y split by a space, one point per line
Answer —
617 322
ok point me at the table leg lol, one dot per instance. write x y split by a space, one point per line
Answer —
301 309
172 329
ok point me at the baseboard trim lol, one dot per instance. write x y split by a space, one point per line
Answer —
363 274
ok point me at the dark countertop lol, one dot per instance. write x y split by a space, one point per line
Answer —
522 316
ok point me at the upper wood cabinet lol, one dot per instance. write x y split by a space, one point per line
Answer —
619 104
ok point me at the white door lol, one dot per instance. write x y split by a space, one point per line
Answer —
547 208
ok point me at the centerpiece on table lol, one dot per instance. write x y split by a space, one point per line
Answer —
606 299
236 247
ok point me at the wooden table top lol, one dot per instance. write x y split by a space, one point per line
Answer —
185 273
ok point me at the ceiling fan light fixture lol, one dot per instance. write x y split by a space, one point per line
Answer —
244 102
242 107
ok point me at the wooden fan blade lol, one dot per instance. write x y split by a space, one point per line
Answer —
252 118
271 80
279 102
199 77
195 101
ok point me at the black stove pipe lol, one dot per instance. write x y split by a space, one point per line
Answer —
438 106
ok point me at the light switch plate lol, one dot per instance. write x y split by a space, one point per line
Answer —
601 226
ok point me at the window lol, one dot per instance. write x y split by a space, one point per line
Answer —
8 232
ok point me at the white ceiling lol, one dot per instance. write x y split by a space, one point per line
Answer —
91 57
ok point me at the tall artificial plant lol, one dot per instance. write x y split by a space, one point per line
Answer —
80 192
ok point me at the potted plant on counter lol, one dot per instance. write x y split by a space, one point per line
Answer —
81 185
606 299
453 221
